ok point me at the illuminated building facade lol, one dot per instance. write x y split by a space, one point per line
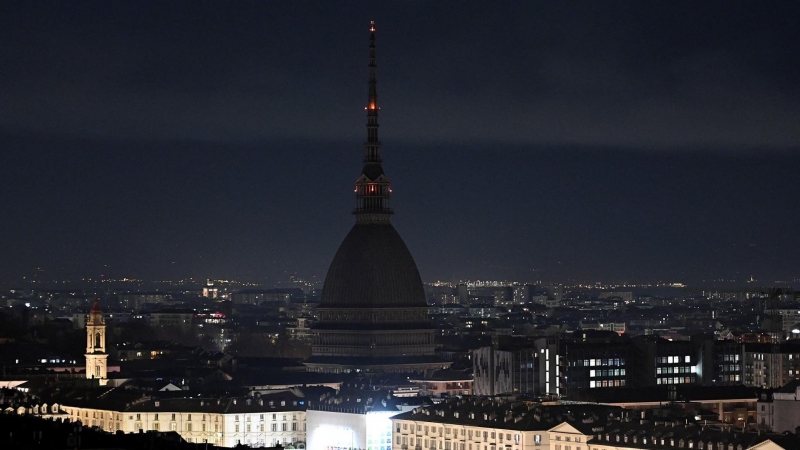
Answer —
368 430
486 424
273 420
210 290
354 419
96 356
482 423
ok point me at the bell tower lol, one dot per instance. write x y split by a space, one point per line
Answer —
96 356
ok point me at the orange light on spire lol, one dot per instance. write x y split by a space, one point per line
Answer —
372 26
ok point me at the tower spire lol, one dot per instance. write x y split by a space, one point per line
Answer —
373 145
372 187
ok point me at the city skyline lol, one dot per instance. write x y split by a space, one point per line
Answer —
226 148
569 225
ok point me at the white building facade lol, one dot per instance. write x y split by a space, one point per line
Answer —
484 424
223 422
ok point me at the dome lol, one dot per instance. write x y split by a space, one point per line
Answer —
373 268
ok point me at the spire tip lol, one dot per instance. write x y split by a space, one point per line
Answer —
372 26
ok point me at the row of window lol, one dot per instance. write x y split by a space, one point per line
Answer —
681 443
189 417
477 433
607 373
568 438
606 383
447 445
274 427
675 380
173 426
680 369
260 417
673 359
599 362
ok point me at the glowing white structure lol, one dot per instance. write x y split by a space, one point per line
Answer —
96 356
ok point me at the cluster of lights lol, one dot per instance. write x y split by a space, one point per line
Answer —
53 361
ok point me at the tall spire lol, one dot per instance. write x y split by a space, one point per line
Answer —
372 187
372 150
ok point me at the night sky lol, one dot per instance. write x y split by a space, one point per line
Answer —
554 141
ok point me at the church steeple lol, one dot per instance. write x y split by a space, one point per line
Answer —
372 187
96 355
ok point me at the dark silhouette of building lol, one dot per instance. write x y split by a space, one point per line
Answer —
373 313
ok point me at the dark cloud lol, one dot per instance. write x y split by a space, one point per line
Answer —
172 139
677 74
